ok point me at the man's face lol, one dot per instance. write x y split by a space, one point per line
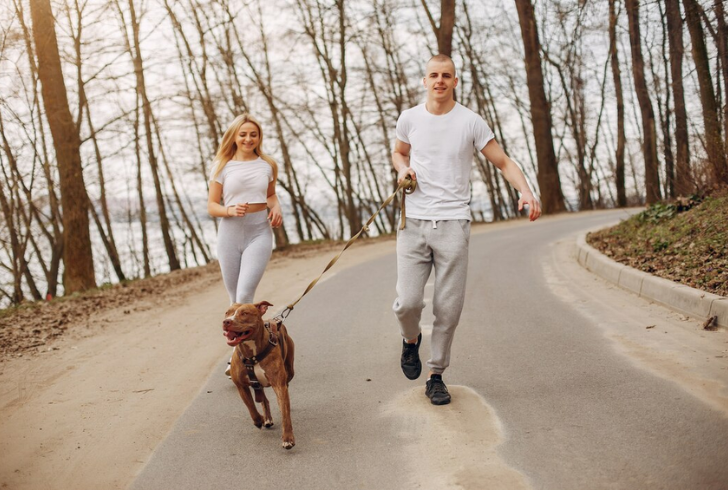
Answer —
440 81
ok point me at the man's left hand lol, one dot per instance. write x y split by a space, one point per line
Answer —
534 207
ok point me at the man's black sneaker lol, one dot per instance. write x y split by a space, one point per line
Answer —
411 364
436 390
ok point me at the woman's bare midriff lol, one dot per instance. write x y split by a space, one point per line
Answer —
256 206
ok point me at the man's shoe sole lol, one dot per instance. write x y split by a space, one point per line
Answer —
443 402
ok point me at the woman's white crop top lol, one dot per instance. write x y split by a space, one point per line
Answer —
245 182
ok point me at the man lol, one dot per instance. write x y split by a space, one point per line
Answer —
434 147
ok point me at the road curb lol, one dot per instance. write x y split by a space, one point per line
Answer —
683 299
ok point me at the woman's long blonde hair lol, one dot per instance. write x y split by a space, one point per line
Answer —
227 148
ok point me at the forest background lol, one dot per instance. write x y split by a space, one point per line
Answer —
111 112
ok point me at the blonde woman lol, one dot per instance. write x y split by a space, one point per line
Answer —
242 187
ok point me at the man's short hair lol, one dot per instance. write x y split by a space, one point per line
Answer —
440 58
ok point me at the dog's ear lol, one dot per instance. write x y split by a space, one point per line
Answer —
262 307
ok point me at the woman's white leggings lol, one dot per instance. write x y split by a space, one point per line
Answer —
244 247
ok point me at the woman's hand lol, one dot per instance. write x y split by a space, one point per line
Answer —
275 217
238 210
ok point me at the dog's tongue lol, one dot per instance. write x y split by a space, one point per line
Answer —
231 335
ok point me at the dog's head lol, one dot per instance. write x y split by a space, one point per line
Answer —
243 321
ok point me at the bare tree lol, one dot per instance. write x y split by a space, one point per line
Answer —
78 272
134 49
713 141
649 150
106 234
552 196
662 87
683 178
444 30
721 38
617 80
330 49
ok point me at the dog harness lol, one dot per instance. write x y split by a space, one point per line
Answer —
250 362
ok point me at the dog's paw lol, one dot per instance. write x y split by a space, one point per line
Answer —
268 424
288 444
258 423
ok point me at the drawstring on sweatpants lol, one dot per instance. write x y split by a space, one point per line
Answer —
434 224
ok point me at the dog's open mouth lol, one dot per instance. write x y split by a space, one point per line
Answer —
234 338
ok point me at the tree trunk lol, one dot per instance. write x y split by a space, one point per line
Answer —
443 31
713 141
617 78
78 263
352 211
140 190
447 23
136 55
683 178
55 240
107 235
548 173
649 149
722 36
664 114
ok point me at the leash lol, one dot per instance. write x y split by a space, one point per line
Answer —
407 186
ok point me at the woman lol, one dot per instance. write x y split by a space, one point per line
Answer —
244 180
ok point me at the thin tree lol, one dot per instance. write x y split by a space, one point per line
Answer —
663 110
107 235
617 80
134 49
721 38
683 178
41 154
552 197
713 141
330 50
649 149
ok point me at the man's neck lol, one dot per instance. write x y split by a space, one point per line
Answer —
437 108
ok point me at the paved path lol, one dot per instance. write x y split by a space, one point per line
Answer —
541 398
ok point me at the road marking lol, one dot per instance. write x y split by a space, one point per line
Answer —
452 446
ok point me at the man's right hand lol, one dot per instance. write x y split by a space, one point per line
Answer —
404 173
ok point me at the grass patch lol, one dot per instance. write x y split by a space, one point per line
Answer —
685 241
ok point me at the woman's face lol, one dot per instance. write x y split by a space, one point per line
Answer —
247 139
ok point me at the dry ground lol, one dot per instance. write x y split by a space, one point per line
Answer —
685 241
91 384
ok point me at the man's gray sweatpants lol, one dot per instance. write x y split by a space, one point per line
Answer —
422 245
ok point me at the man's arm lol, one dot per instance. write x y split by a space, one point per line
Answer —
401 162
495 154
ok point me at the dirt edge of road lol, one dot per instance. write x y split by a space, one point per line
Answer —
87 408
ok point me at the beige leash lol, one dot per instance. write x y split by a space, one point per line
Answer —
407 186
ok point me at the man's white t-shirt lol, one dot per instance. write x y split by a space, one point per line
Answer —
442 158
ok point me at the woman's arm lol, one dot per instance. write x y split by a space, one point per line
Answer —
217 210
275 216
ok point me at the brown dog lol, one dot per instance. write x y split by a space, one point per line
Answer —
263 357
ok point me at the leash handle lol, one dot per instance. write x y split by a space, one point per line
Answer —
407 186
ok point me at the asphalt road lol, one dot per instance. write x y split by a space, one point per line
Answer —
539 394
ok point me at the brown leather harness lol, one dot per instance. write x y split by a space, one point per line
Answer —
250 362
